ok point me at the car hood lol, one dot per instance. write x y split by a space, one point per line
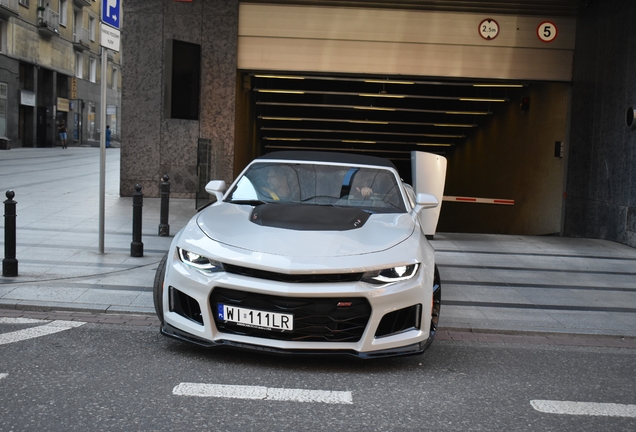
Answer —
230 224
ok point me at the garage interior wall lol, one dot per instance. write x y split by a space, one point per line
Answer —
512 158
601 184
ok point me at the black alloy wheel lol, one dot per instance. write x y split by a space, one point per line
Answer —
437 303
157 288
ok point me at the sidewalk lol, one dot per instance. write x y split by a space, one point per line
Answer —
490 283
59 264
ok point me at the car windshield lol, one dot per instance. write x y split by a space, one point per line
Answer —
375 189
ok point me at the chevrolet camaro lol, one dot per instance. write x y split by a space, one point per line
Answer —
305 253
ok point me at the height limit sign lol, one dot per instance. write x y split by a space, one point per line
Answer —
488 29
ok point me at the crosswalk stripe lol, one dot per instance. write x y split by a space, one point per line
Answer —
584 408
262 393
33 332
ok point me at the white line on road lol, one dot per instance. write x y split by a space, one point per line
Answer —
21 321
33 332
262 393
584 408
3 375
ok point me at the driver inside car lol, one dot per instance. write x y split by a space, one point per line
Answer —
277 186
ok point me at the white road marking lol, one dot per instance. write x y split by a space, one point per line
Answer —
584 408
262 393
3 375
33 332
21 321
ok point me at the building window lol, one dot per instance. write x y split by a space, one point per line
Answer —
184 69
24 3
79 65
3 109
115 78
93 70
78 22
63 12
91 27
3 36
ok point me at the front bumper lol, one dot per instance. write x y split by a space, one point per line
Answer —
413 349
373 340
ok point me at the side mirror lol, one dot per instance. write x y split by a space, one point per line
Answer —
425 201
216 188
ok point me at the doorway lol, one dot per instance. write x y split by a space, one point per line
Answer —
41 139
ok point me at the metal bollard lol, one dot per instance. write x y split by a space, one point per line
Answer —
164 227
137 247
9 263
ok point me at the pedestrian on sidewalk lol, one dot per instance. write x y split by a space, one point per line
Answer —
63 136
107 136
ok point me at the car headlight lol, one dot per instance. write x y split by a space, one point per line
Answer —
199 262
391 275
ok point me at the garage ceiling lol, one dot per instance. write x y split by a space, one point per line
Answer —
393 114
520 7
384 116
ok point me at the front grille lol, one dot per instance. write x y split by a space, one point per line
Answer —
315 319
292 278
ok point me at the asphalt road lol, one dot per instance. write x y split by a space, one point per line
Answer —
114 377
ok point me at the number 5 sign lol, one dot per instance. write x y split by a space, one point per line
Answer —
547 31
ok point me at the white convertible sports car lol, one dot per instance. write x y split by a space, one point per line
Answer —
306 252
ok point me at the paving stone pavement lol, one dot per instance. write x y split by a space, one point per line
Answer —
508 287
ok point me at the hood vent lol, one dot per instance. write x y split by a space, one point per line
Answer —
303 217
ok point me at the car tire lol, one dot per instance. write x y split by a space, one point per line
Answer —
435 309
157 289
437 303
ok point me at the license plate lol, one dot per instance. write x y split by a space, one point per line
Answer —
255 318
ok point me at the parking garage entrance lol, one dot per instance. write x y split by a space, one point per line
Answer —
488 93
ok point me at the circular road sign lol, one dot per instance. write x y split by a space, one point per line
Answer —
488 29
547 31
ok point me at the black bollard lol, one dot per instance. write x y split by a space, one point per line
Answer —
164 227
137 247
9 263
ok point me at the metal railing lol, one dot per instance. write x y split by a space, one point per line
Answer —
10 4
50 19
82 35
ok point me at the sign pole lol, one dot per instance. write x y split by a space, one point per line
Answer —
109 39
102 151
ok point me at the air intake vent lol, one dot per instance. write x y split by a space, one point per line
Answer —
401 320
185 306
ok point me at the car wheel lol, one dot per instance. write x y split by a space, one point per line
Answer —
436 303
157 291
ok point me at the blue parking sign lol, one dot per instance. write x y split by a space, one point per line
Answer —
111 12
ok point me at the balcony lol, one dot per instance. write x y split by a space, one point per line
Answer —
8 8
48 22
82 3
81 39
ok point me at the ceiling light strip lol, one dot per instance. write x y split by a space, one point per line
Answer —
363 132
366 121
383 95
391 81
339 149
372 108
351 141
